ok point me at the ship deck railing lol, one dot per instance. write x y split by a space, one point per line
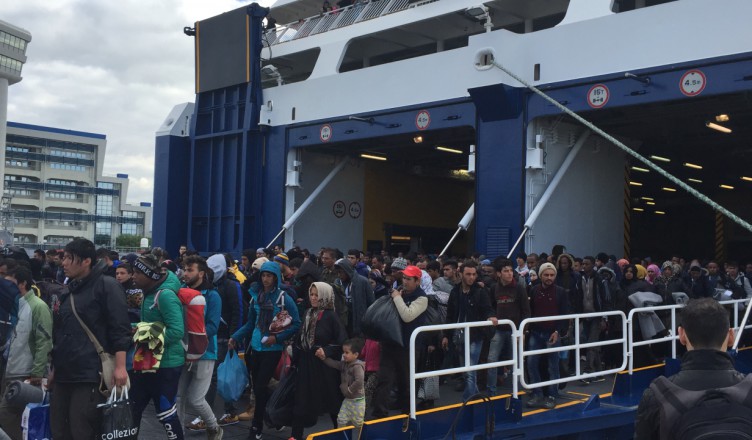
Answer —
338 18
519 351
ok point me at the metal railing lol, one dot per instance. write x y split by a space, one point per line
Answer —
466 326
338 18
672 336
576 346
519 353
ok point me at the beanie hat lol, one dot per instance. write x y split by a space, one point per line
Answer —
282 259
258 262
260 251
170 265
399 263
546 266
149 266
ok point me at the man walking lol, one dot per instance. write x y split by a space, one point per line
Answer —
358 295
511 302
546 299
160 304
268 299
30 345
197 375
76 369
469 302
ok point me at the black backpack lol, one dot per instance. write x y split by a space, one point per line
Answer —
715 414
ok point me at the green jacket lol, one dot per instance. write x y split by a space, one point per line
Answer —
169 311
31 340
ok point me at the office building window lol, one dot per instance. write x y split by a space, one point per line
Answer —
60 195
67 166
17 163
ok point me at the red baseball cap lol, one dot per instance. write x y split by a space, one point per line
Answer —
412 271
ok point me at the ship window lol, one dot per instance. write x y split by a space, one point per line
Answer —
290 68
630 5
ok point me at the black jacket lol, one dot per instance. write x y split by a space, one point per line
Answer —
477 307
700 370
233 310
360 292
100 302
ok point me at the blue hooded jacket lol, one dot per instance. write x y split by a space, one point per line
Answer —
251 329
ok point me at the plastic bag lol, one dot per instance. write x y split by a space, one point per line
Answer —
280 404
117 418
283 366
429 388
382 322
232 377
35 421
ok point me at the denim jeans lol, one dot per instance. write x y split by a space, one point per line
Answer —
499 349
471 383
538 340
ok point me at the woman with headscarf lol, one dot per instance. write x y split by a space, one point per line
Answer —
633 280
653 273
669 282
317 385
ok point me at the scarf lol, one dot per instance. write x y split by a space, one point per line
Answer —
266 310
313 314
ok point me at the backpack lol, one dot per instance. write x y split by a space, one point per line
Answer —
50 292
714 414
195 342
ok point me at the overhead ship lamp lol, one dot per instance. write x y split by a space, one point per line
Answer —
449 150
373 157
718 127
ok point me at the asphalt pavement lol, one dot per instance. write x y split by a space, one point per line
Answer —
152 429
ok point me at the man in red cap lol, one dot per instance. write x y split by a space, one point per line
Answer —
411 303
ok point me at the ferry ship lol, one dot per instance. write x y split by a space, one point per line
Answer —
459 126
393 124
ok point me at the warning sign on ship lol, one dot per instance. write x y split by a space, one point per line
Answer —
326 133
422 119
693 82
339 209
354 209
598 96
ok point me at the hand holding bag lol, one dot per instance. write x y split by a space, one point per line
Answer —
107 376
35 421
282 320
117 418
232 377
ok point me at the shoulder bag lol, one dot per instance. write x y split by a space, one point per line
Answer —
107 376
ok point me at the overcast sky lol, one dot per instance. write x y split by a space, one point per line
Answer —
110 67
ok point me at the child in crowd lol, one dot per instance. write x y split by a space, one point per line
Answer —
371 355
133 295
352 373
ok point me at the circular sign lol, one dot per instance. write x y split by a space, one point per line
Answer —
598 96
355 210
693 82
423 119
339 209
326 133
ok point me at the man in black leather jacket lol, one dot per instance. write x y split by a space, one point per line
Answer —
706 365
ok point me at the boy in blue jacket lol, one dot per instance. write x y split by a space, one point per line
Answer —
267 300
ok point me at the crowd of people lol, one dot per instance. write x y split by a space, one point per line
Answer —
310 308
